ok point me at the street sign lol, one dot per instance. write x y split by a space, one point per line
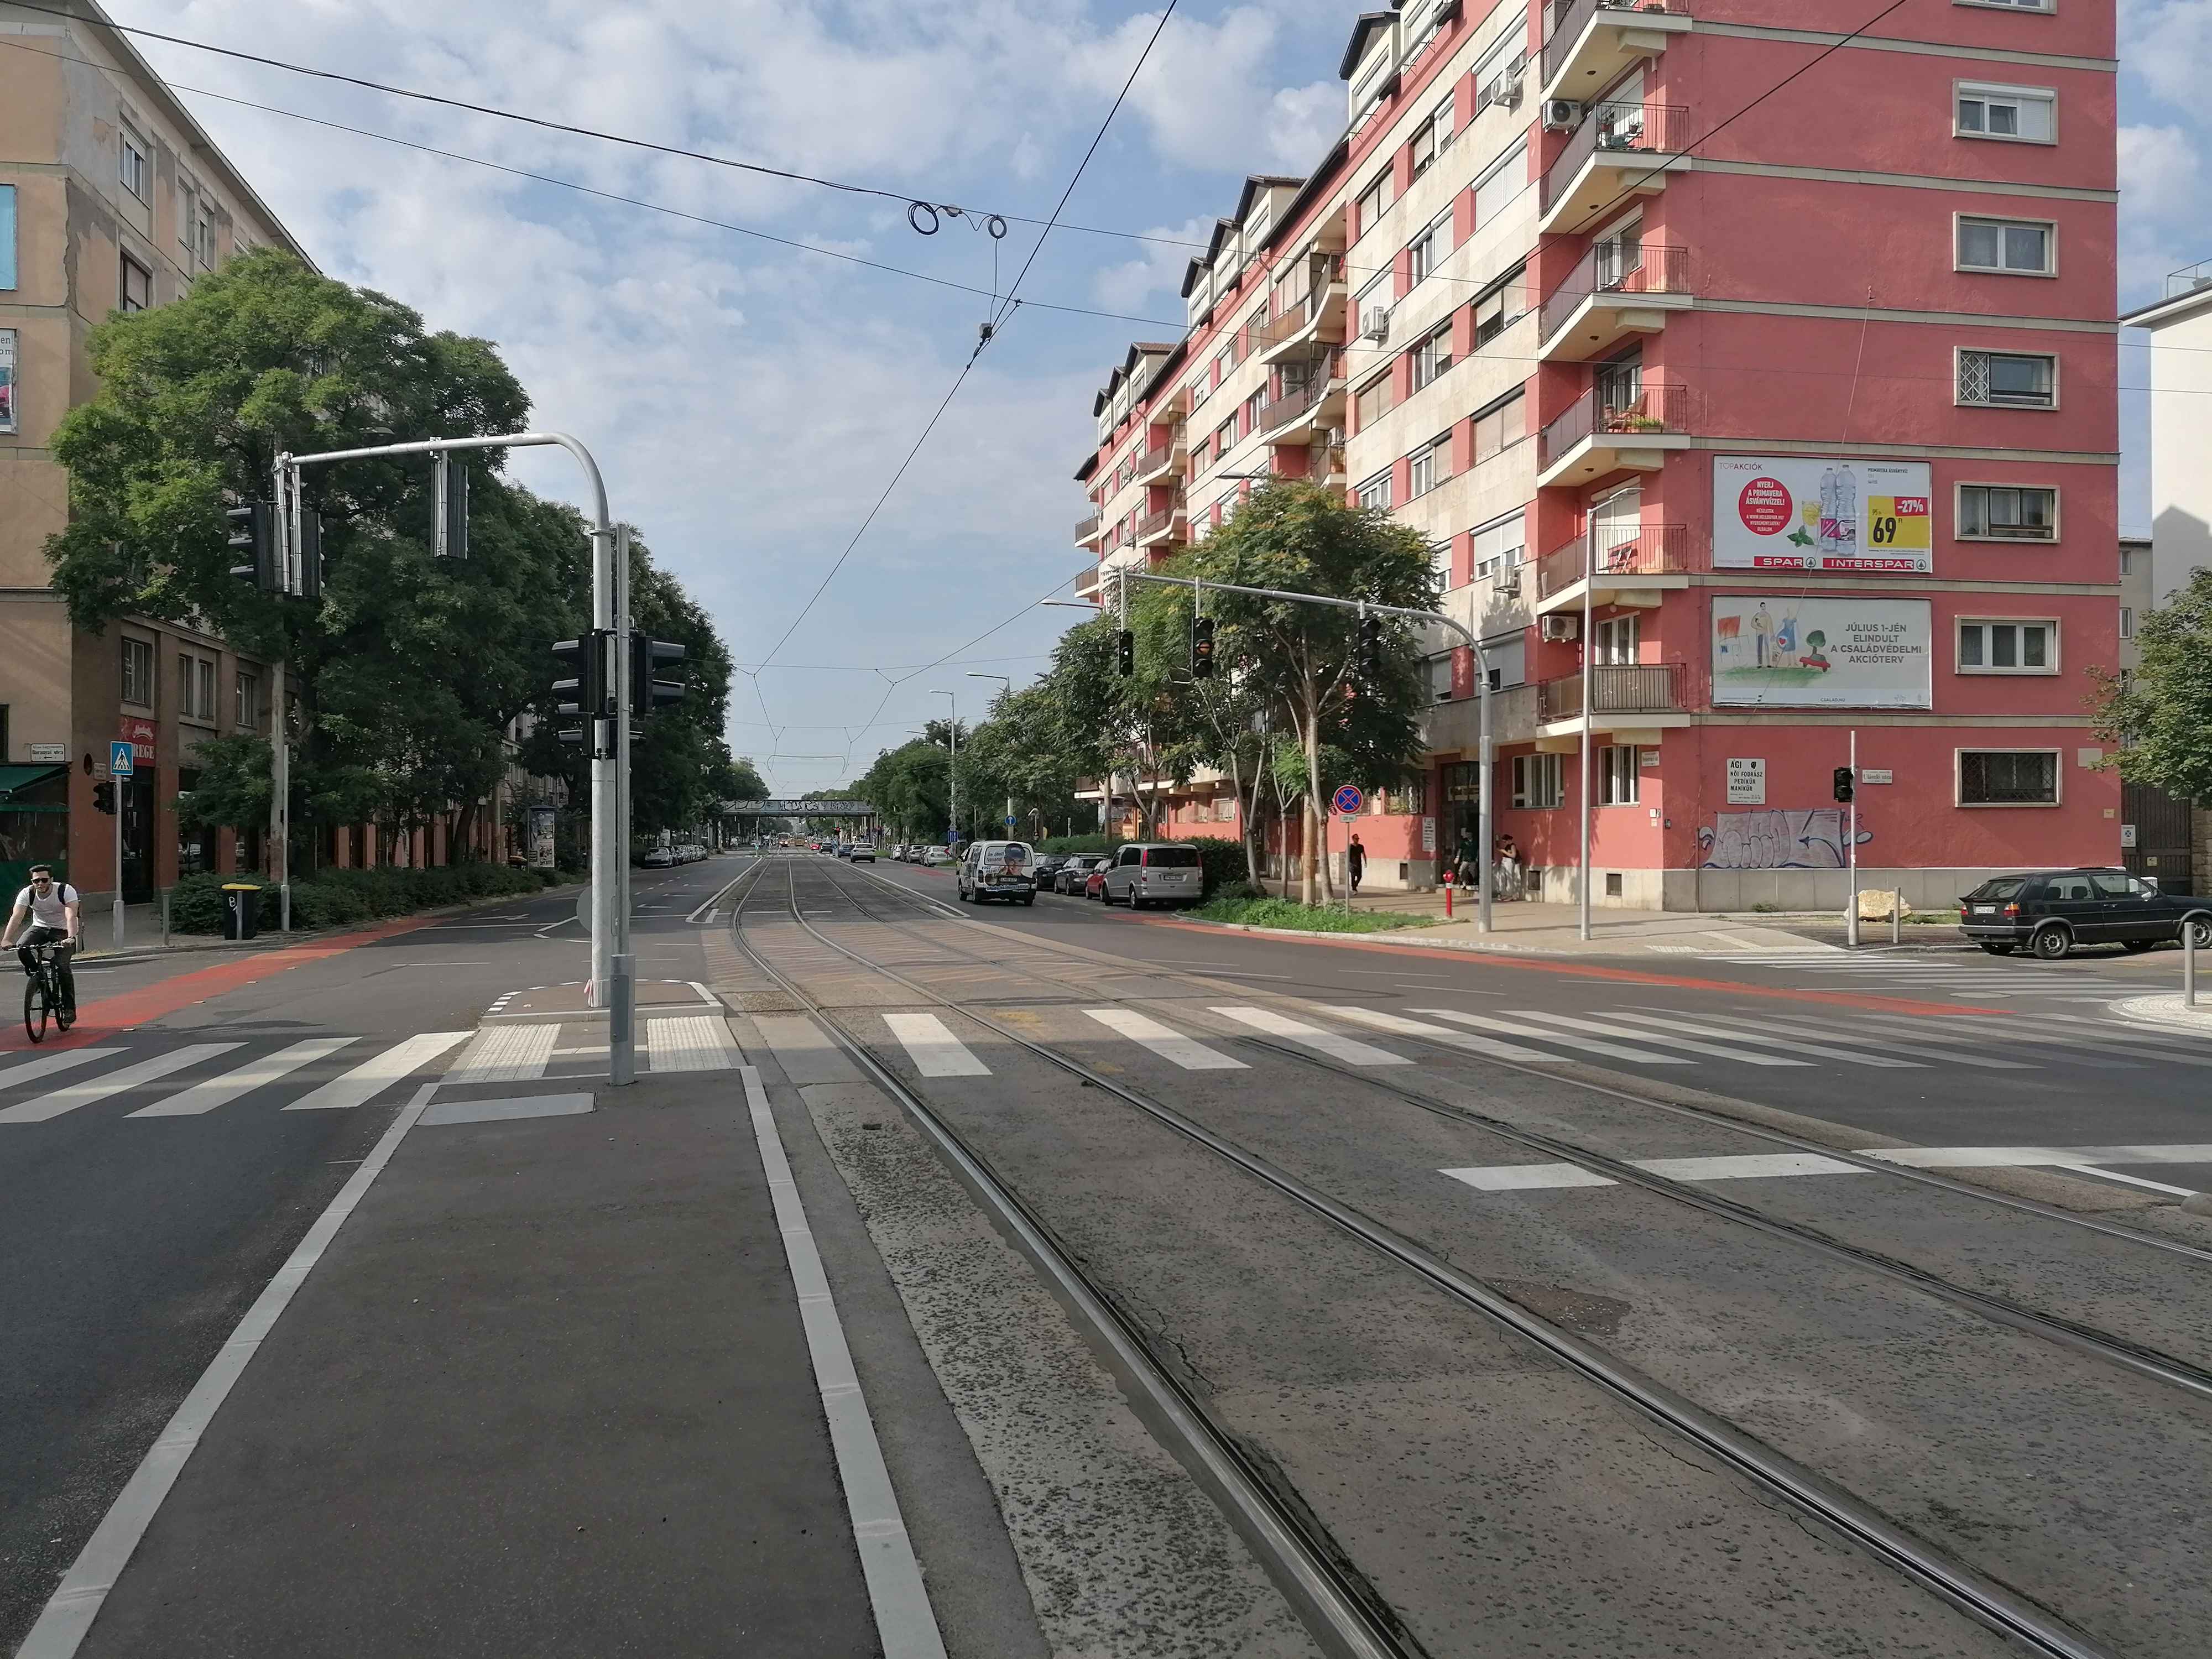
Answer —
1877 775
122 759
1347 800
1010 822
49 751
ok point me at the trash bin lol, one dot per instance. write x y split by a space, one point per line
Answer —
241 902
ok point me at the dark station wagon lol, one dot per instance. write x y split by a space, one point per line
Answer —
2051 911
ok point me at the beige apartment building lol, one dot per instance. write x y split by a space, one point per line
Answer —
110 197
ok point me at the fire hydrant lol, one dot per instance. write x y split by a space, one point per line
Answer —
1447 894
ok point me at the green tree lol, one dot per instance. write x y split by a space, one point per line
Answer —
2160 718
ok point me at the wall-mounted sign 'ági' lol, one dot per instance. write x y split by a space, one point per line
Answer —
1840 651
1812 512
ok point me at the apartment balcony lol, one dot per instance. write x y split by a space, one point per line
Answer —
1456 726
1321 318
1587 44
1297 415
1634 566
1612 430
1086 531
1625 696
1621 149
1170 523
1615 290
1156 463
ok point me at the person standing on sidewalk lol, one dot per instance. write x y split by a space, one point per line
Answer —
1508 854
1355 859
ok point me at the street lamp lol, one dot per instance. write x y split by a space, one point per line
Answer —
953 770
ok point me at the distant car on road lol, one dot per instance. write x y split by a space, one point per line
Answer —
2052 911
936 855
1154 872
863 852
898 853
658 858
1000 869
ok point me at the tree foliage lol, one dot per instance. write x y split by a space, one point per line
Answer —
2161 717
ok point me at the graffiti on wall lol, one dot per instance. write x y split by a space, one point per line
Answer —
1776 838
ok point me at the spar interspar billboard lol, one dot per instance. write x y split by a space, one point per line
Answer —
1817 513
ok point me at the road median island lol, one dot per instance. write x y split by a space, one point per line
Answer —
1274 915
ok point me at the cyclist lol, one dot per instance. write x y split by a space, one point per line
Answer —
46 914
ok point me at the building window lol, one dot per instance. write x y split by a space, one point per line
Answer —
137 672
2012 5
1431 357
1428 249
1440 678
2008 777
1615 640
2016 247
1372 201
136 176
1494 312
1442 121
2127 622
194 687
2008 380
1504 422
1504 179
1254 406
206 242
1429 466
1425 148
1617 776
2007 513
1372 401
2025 114
1376 492
1440 564
1497 547
2008 647
248 714
1536 782
136 286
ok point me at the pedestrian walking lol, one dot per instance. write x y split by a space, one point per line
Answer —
1508 856
1355 859
1466 859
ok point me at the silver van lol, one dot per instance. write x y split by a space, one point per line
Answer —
1003 870
1154 872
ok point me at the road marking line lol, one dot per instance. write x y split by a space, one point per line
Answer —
206 1096
77 1600
1667 1020
1599 1029
46 1064
1347 1049
905 1624
1489 1048
932 1048
1527 1178
2115 1040
1169 1045
1563 1039
1922 1050
693 1042
513 1053
374 1076
39 1110
2000 1033
1746 1167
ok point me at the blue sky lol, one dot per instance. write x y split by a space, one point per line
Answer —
747 400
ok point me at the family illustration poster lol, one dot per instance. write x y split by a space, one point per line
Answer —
1831 652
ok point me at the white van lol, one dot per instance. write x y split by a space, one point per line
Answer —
1154 872
998 870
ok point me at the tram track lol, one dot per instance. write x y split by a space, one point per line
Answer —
1781 1476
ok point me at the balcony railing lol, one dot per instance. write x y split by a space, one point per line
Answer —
1154 459
1325 373
1614 267
1086 530
1615 411
1564 21
1617 128
1154 523
1651 550
1618 688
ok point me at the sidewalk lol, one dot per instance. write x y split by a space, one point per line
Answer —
142 930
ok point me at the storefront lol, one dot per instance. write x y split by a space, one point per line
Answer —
34 822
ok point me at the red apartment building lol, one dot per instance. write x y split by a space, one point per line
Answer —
1739 423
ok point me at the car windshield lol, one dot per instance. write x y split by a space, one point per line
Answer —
1172 858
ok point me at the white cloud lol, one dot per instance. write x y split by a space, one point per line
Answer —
1154 279
2160 169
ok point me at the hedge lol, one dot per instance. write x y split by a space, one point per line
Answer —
331 898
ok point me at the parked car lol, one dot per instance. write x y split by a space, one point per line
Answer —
1047 867
1002 870
2052 911
898 852
1069 878
864 852
1094 880
1154 872
936 855
658 858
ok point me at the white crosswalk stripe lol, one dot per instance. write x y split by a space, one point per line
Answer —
1562 1039
1919 1050
1764 1166
1664 1039
689 1042
509 1054
932 1048
1168 1045
258 1072
1489 1047
45 1108
2092 1050
373 1076
31 1071
1732 1032
1352 1053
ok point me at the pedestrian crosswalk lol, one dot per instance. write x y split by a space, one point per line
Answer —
1768 1166
1643 1036
1950 976
195 1080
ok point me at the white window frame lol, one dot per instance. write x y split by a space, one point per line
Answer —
1618 783
1431 356
1959 780
2127 622
130 148
1429 246
1380 482
125 264
1440 673
1516 153
1539 782
2048 668
1959 356
2033 8
1379 192
2048 226
147 653
1508 556
1987 92
1959 532
1617 641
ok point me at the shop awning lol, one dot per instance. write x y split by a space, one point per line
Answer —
17 780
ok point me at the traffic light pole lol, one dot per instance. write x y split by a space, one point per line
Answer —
1486 868
612 983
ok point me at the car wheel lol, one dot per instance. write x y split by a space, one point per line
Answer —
2198 931
2051 943
1998 950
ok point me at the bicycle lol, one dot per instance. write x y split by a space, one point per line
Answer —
42 995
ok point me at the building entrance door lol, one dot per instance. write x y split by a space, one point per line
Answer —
135 801
2162 852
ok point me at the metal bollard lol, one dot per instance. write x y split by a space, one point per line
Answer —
2188 967
1448 896
1897 917
165 918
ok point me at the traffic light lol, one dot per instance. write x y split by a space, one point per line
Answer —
455 542
311 553
647 693
1843 785
583 693
1125 653
1201 648
1370 647
103 797
254 532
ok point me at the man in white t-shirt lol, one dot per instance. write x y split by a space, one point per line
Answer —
46 914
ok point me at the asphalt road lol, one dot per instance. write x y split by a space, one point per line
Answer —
132 1244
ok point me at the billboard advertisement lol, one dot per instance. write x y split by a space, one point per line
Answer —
541 853
7 380
1812 512
1836 650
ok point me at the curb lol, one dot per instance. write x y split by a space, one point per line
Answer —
2165 1013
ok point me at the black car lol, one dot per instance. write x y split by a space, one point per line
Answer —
2052 911
1048 867
1070 876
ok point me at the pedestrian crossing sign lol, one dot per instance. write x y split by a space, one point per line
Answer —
122 759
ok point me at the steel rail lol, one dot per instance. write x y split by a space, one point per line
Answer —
1342 1613
1782 1476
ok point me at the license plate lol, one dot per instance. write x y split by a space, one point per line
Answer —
1985 910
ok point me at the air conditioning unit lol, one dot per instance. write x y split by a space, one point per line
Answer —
1375 324
1561 626
1561 115
1334 437
1508 585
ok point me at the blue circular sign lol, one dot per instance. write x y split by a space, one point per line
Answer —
1348 800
